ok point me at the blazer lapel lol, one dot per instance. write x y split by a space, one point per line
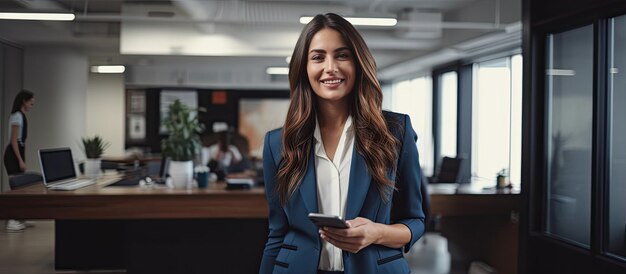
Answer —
308 188
359 185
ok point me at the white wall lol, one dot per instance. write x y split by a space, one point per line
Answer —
58 77
105 110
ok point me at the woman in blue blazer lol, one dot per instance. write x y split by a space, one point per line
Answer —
339 153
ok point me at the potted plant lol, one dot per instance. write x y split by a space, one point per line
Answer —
183 142
93 148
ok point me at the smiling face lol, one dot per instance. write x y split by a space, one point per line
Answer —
330 66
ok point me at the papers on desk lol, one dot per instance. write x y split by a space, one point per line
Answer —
443 188
239 183
108 178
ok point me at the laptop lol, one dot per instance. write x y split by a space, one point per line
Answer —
57 170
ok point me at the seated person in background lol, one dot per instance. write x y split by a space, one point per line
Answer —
222 155
241 143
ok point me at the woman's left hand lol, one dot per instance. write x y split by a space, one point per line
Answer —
361 233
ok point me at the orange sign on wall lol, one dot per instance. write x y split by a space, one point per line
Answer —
218 97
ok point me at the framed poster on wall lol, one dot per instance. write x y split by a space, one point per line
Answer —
136 127
135 116
257 116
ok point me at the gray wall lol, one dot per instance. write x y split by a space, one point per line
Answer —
70 103
11 67
58 77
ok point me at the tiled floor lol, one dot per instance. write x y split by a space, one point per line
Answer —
31 251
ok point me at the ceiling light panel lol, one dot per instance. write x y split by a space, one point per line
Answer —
37 16
361 21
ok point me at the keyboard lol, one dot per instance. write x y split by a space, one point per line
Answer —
73 184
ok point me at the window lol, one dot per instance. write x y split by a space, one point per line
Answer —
414 98
497 119
569 127
449 103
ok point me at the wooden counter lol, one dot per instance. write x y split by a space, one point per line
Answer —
466 200
158 202
138 227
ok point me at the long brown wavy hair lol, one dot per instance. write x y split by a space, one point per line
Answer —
373 139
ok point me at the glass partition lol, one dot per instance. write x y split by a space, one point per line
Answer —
569 83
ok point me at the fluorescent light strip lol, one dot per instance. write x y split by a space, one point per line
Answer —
277 70
108 69
360 21
37 16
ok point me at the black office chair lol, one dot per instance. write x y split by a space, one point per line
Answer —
448 172
24 179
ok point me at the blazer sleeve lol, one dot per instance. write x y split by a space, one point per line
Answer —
407 201
278 223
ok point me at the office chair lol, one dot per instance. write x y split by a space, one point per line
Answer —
24 180
429 255
448 172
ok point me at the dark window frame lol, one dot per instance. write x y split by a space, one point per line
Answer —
534 123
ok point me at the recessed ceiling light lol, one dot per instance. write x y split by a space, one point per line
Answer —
37 16
361 21
108 69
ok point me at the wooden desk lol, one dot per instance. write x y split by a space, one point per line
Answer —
480 224
99 202
143 225
467 200
149 229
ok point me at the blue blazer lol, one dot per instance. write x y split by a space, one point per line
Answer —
293 244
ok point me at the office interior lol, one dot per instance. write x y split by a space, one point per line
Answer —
529 91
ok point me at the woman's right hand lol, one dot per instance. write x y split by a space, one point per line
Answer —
22 166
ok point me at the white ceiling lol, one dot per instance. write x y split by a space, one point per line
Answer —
152 32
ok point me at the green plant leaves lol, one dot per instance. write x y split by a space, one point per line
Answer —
183 141
94 147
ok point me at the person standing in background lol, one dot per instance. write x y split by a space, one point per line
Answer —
14 154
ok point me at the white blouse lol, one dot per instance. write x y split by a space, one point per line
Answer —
333 177
16 119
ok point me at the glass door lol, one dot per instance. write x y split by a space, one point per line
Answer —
569 87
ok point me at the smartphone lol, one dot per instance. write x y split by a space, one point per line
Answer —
321 220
